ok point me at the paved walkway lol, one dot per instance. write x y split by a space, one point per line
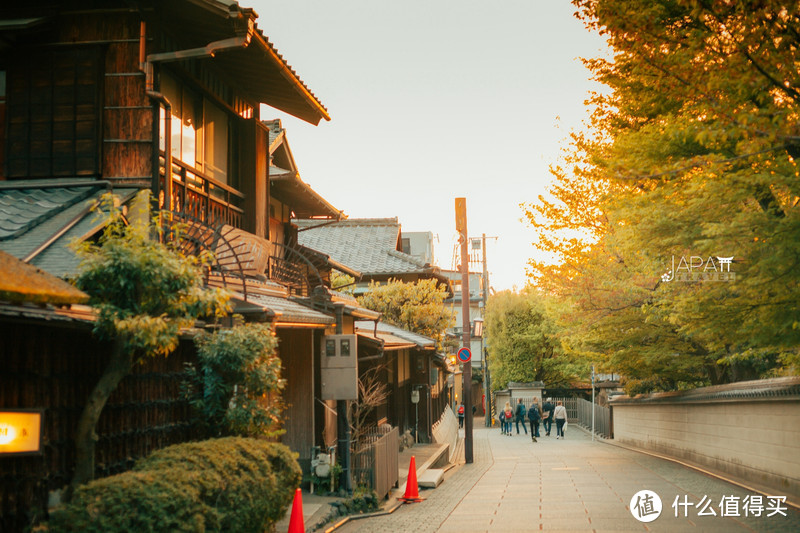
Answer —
575 484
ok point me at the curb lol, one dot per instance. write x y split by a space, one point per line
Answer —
691 466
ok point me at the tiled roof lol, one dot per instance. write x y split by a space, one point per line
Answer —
35 212
289 311
421 341
22 209
21 282
368 245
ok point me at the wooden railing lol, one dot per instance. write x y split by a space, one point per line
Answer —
201 197
291 268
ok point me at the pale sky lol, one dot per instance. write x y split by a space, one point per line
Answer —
432 100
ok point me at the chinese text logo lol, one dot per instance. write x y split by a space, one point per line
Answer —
645 506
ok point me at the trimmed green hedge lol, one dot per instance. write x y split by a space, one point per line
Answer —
229 484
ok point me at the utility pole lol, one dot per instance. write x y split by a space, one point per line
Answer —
461 227
487 384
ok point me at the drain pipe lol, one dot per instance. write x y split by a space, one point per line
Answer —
158 100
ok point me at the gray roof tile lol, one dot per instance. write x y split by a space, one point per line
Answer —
368 245
420 340
31 216
290 311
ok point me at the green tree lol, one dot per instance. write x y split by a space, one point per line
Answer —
692 153
143 293
236 390
417 307
523 341
342 282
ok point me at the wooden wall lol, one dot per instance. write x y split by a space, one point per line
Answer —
295 349
53 368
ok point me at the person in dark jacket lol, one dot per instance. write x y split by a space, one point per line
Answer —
534 416
547 416
520 416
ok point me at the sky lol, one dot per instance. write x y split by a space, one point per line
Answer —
433 100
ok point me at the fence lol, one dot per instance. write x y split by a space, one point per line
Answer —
445 431
53 369
602 417
376 463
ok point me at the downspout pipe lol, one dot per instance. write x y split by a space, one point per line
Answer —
158 100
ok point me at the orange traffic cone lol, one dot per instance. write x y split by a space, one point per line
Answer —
296 523
412 491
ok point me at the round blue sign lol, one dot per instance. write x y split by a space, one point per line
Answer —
464 355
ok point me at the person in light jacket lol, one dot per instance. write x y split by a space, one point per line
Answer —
560 414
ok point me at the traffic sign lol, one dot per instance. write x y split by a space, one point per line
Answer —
464 355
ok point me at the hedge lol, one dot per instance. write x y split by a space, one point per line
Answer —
228 484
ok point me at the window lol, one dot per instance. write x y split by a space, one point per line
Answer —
2 120
406 245
54 99
200 130
215 130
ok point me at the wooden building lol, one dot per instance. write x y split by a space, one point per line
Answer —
163 95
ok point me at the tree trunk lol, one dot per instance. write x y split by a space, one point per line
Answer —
119 366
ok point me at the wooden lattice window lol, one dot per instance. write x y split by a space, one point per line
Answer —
54 103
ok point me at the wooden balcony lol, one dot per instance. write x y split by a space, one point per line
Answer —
200 196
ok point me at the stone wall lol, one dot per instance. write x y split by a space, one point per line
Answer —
748 430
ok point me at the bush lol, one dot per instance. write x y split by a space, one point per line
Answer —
236 390
230 484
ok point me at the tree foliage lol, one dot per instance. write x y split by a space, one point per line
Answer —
523 343
417 307
144 293
236 390
691 153
342 282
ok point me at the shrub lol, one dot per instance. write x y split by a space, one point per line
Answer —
229 484
236 390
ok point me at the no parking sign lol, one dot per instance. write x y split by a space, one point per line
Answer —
464 355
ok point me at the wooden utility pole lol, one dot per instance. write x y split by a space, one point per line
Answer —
466 392
487 383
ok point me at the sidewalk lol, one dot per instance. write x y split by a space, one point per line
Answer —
316 507
515 485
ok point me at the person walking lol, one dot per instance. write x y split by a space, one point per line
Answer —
461 416
560 415
520 416
547 416
534 415
502 417
509 414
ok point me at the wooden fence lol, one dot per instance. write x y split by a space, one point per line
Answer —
375 464
53 369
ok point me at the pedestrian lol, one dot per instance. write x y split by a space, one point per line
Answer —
502 418
509 414
534 415
461 415
520 416
547 416
560 415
